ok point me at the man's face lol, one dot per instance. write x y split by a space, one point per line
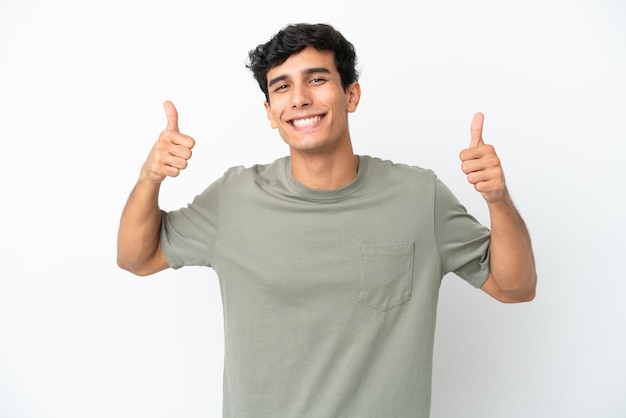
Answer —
307 103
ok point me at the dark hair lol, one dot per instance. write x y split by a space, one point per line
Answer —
295 38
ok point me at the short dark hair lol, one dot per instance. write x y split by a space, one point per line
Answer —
292 39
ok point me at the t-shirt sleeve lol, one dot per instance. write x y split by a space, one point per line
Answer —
463 243
189 234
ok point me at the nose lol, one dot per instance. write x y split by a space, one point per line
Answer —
299 96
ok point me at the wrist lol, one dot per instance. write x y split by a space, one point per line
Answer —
501 201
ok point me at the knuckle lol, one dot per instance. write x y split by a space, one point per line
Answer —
165 135
173 172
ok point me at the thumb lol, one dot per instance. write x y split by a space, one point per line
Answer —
172 116
476 130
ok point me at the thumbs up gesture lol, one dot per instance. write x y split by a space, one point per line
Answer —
170 153
481 164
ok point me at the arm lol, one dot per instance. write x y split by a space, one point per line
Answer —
513 277
138 249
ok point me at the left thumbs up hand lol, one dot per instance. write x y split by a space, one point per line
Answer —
481 164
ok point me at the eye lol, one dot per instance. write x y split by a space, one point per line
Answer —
281 87
317 80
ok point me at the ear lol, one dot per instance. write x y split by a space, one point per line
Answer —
353 96
270 116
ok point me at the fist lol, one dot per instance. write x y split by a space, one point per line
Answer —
170 153
481 164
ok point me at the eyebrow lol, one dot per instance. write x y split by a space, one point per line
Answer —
308 71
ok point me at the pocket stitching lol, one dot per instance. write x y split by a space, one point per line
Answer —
402 284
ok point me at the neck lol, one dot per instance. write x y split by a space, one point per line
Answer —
325 172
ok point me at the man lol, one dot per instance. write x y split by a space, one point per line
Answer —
329 263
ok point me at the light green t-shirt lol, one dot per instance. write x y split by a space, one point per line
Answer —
329 297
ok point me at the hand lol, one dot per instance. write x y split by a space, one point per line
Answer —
481 164
170 153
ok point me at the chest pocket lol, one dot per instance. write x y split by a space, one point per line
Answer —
385 274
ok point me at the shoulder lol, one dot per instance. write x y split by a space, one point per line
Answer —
390 171
377 163
241 182
254 172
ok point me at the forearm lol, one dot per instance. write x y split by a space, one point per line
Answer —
512 260
140 224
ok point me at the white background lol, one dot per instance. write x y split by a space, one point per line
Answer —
81 89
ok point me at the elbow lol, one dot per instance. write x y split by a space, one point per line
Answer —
522 290
515 297
531 291
527 296
124 265
142 264
522 294
133 268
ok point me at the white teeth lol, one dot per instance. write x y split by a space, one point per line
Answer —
302 123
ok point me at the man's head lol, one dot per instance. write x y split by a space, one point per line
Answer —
295 38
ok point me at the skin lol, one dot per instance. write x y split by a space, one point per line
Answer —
138 248
309 108
513 276
307 87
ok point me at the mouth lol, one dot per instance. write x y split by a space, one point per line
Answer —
306 122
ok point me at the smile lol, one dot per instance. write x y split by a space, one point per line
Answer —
306 122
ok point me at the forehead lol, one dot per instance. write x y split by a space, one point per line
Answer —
302 61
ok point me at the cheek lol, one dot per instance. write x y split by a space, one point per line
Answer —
271 117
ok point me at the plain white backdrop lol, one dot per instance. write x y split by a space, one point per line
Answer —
81 89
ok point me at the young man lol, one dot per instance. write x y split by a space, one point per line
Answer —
329 263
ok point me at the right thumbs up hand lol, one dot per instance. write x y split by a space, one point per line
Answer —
170 153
